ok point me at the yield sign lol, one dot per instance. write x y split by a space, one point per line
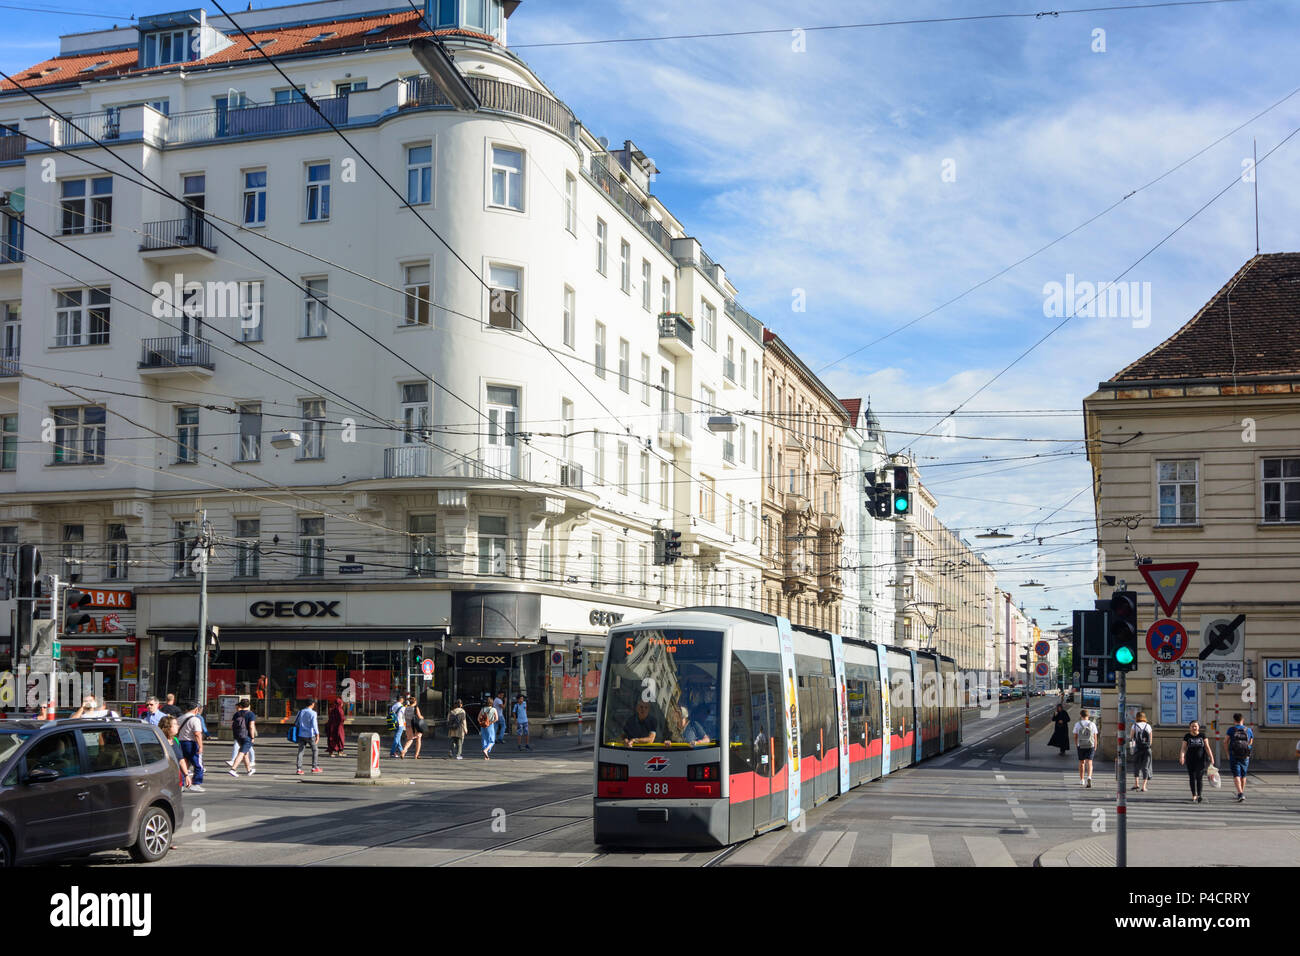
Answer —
1168 581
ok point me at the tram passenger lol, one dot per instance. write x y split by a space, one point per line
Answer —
684 730
640 728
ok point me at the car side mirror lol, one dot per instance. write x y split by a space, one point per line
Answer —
42 775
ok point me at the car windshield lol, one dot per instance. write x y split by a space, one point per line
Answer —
10 741
661 688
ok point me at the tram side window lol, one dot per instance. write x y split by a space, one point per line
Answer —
777 725
873 704
807 718
741 743
857 710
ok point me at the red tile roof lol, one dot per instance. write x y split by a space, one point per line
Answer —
852 406
1250 328
288 40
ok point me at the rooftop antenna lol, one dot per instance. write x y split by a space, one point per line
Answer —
1255 169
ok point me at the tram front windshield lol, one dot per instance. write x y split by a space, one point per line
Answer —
662 689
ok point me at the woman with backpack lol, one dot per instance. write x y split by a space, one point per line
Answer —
486 718
1061 735
1197 756
1140 746
456 728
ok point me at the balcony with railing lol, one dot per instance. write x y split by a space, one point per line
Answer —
86 128
607 182
498 96
176 239
729 373
676 333
11 253
175 353
744 320
9 365
795 502
674 429
274 119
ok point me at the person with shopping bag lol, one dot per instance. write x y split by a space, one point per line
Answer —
1198 757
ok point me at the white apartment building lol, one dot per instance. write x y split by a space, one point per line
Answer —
478 426
856 523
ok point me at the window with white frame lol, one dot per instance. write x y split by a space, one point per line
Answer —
507 178
86 205
250 432
1177 481
755 377
740 443
1281 490
570 318
729 366
753 448
665 389
248 547
289 95
709 322
170 46
9 550
645 379
311 547
416 413
643 567
492 538
620 565
314 302
624 365
707 496
251 310
421 530
622 467
313 429
597 549
117 553
645 284
416 290
602 242
598 443
187 434
545 570
665 295
79 435
183 542
318 192
1281 703
600 350
349 86
645 477
663 484
566 418
419 173
729 512
504 298
571 203
254 197
8 442
81 317
743 368
625 266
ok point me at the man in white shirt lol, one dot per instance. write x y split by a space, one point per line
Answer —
1085 739
90 707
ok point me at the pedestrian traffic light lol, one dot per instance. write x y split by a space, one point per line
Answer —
902 494
672 546
417 654
1123 630
879 497
73 615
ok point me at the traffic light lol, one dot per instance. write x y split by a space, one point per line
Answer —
1123 630
902 494
878 496
73 615
1024 660
417 655
672 546
659 547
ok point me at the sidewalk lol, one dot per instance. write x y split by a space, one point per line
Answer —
1182 848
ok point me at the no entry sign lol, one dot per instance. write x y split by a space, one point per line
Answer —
1166 640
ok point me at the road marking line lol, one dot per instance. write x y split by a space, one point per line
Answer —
821 848
760 850
911 849
843 851
988 851
1019 813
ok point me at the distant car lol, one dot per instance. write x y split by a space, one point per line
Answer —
71 787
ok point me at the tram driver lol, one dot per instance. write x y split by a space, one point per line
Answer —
685 730
640 728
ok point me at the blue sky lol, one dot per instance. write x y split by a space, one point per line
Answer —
822 171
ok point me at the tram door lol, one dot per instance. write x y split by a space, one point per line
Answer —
765 742
827 738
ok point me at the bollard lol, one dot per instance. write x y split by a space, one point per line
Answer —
367 756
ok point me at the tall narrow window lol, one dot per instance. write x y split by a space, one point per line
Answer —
8 442
424 552
416 413
117 553
570 319
600 350
492 530
620 565
645 477
646 291
504 298
311 547
545 570
571 203
598 442
313 429
625 266
255 197
318 192
416 289
419 174
645 379
663 484
507 178
602 241
743 368
251 310
622 467
187 434
1177 483
183 542
597 549
314 301
624 363
709 321
248 553
665 295
250 432
566 418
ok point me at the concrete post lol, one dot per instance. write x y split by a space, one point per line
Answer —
367 756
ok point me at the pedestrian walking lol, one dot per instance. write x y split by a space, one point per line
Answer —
1197 756
1241 744
456 729
170 708
308 735
499 705
487 717
1061 732
334 728
243 726
189 731
415 727
153 712
1140 746
521 723
90 707
1085 739
168 728
397 715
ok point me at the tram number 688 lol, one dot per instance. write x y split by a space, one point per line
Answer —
660 789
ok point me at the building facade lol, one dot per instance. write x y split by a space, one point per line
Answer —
1196 445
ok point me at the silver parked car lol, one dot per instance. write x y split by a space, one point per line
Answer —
76 786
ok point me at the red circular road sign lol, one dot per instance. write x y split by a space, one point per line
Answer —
1166 640
1042 668
1042 648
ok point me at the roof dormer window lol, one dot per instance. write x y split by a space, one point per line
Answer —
321 37
171 46
259 45
483 16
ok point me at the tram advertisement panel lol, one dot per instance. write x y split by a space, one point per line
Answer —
886 718
917 712
790 698
841 709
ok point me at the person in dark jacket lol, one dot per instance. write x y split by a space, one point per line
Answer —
1061 733
334 728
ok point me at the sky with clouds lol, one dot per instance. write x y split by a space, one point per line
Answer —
884 171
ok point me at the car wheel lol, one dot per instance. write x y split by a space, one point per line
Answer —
6 852
154 838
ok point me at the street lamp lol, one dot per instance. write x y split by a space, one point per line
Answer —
286 439
994 533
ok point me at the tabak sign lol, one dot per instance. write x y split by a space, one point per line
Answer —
111 612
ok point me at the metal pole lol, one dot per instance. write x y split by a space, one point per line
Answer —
1028 657
201 671
407 668
56 615
1121 778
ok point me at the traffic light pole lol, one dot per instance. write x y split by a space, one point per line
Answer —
1121 776
201 670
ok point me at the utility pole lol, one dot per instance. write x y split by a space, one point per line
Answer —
202 550
1121 777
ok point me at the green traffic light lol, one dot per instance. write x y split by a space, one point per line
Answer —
1124 655
900 504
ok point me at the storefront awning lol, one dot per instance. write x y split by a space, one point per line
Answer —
270 634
